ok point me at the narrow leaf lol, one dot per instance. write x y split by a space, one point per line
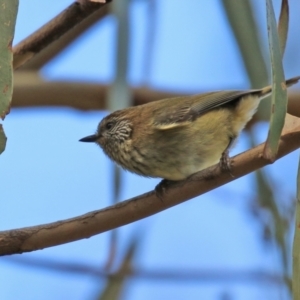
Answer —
279 94
2 139
246 32
283 25
8 14
296 246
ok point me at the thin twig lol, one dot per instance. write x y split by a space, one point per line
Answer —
155 274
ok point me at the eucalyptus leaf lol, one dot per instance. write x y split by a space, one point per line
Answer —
2 139
8 14
283 25
296 245
279 95
242 20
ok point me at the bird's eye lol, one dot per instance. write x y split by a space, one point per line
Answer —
109 125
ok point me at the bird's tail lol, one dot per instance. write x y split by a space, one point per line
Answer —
268 89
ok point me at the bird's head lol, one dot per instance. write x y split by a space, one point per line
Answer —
112 133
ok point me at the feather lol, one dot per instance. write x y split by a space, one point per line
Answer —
176 116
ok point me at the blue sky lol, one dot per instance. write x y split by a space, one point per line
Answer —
49 176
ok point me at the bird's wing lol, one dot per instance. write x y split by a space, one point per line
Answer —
184 110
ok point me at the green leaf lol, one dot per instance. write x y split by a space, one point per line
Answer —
8 14
296 245
279 95
242 20
283 25
2 139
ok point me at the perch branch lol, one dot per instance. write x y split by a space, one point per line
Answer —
57 233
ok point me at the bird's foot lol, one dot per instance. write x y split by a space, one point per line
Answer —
161 188
225 162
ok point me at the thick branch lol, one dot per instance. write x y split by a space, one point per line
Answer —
42 236
31 91
54 29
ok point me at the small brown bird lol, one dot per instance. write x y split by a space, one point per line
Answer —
176 137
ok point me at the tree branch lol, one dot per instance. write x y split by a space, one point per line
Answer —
200 275
52 234
41 58
31 91
54 29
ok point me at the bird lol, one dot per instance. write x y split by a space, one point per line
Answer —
176 137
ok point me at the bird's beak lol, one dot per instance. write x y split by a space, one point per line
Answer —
89 139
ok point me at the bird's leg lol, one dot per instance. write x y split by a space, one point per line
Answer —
161 188
225 162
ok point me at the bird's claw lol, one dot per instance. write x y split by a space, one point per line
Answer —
225 162
161 188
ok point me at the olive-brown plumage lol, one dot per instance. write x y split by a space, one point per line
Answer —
176 137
